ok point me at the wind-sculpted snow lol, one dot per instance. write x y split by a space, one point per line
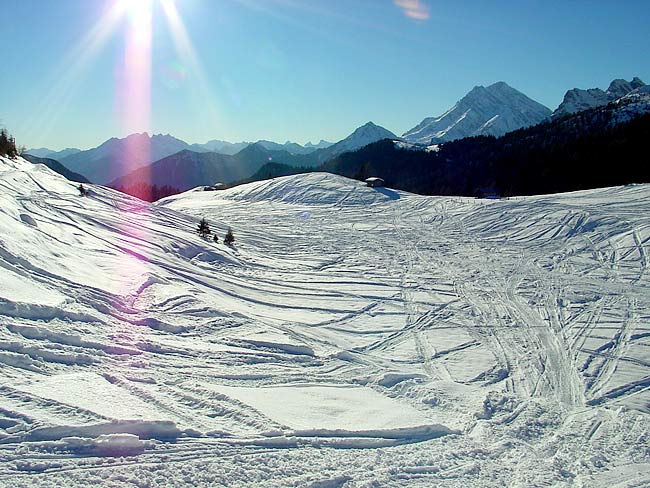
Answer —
350 337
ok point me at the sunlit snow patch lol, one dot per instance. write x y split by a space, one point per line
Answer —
331 410
94 393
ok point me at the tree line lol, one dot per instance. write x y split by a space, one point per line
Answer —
148 192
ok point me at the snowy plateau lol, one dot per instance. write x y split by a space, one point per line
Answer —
351 337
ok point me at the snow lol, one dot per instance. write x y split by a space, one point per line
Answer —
330 408
576 100
492 110
352 336
91 392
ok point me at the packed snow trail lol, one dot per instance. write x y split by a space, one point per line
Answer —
351 337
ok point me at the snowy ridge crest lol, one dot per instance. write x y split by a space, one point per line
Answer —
577 100
492 110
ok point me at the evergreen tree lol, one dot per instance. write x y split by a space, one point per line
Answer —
229 237
7 144
204 228
216 238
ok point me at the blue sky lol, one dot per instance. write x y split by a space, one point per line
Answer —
305 69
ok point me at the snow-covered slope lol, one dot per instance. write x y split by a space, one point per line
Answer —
351 337
577 100
492 110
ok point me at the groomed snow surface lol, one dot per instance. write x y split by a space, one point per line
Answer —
352 337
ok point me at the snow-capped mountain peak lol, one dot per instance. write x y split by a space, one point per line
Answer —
577 100
366 134
321 145
492 110
362 136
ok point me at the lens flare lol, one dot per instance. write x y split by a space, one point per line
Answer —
134 87
205 101
413 9
173 74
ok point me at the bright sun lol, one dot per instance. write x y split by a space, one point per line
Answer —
138 11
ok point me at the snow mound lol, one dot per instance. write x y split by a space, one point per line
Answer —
312 189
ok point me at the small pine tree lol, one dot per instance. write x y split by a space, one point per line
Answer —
216 238
229 237
204 228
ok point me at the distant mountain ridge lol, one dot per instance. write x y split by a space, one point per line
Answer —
320 145
492 110
188 169
564 154
577 100
116 157
43 152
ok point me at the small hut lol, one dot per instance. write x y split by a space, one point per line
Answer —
489 193
374 182
216 187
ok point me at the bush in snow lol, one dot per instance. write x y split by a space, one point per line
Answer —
229 238
204 228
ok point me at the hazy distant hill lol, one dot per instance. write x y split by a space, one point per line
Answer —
44 152
57 167
116 157
188 169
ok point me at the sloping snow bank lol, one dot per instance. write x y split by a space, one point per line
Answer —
304 189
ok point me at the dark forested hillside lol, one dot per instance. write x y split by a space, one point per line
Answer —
585 150
147 192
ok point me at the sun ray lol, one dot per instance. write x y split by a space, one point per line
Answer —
206 99
133 100
66 77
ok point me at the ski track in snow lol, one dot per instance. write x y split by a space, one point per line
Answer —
351 337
